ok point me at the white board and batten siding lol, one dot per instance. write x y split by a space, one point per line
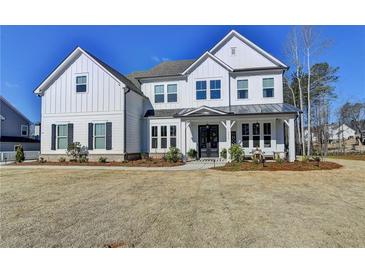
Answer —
102 102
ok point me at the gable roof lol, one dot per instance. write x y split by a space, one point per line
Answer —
76 53
255 47
13 108
202 58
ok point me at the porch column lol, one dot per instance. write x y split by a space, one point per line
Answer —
291 140
228 136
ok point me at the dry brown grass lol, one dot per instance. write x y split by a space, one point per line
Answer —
273 166
98 208
358 156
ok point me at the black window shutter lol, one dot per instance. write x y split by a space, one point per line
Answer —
70 135
53 137
108 135
91 136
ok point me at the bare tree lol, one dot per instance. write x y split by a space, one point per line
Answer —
313 45
292 50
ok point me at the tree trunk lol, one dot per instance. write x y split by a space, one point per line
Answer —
309 106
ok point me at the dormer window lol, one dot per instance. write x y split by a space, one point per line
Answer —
81 83
233 51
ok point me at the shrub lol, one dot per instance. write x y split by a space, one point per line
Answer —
62 159
42 160
192 153
173 155
19 156
144 155
83 159
305 159
102 160
224 153
77 152
237 153
279 160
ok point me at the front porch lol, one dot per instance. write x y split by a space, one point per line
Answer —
209 134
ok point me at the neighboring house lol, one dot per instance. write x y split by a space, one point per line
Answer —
15 129
231 94
342 132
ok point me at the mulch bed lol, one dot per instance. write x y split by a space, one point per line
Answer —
134 163
273 166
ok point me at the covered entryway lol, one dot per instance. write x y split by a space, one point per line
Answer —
208 137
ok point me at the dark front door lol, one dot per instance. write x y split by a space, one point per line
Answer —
208 141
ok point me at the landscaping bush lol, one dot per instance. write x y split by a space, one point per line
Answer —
102 160
62 159
237 153
224 153
77 152
19 156
279 160
192 153
173 155
42 160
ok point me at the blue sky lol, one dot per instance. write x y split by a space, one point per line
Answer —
30 53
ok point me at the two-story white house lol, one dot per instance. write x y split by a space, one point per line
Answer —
233 93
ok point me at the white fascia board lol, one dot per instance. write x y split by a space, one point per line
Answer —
78 50
249 43
207 55
207 108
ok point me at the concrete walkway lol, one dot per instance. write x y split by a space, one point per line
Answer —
193 165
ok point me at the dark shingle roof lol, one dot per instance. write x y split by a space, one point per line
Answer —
229 110
168 68
117 74
18 139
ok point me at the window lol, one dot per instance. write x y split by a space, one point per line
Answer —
154 136
81 82
172 136
233 51
172 93
215 89
201 90
268 85
62 136
242 89
99 136
159 94
267 134
256 134
24 130
163 136
245 135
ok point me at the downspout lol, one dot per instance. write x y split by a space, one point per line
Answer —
126 90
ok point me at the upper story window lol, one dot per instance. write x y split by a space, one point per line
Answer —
81 83
62 136
99 136
233 51
172 93
242 89
268 87
159 94
201 90
24 130
215 89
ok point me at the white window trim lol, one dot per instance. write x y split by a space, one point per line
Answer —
57 136
220 90
263 88
21 130
263 134
248 87
163 93
94 135
168 137
167 93
249 133
87 82
208 89
151 137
